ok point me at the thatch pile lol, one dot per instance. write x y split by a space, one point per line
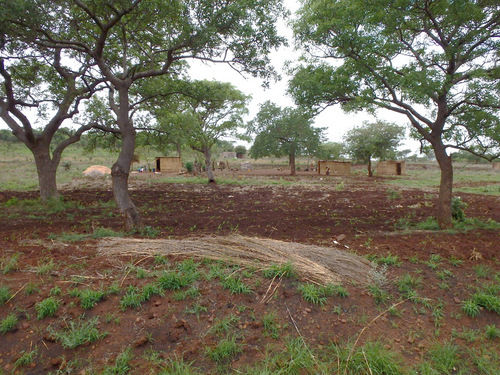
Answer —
96 171
319 264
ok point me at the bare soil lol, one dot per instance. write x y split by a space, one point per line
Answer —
355 214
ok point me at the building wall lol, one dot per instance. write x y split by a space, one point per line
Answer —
337 168
168 164
391 168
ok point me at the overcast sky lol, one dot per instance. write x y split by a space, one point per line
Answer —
334 119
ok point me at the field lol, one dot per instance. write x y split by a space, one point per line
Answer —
80 296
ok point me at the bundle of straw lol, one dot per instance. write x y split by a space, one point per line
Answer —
315 263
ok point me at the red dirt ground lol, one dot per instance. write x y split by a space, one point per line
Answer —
354 213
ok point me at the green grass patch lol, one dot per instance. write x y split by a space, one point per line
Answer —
79 332
4 294
224 351
9 323
47 307
318 294
9 263
280 270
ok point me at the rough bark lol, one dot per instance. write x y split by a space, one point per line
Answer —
370 171
46 169
443 214
121 169
208 165
291 160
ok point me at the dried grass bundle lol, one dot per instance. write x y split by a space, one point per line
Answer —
320 264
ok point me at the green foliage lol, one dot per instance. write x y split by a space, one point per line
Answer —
89 298
284 132
9 264
224 351
389 259
373 140
271 326
122 364
369 55
4 294
408 283
189 166
192 292
79 333
280 270
45 267
27 357
224 325
380 295
150 290
492 332
445 358
47 307
9 323
149 231
318 294
177 366
133 298
174 280
372 358
236 285
471 308
457 209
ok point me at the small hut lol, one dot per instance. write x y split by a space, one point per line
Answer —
168 164
496 166
334 168
391 168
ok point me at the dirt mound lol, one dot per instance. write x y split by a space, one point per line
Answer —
95 171
319 264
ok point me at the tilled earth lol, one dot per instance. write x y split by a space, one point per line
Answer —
361 215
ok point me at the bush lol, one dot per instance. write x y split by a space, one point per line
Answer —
189 166
457 208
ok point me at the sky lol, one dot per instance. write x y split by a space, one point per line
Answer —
333 118
336 122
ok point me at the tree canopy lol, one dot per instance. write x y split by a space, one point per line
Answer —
373 140
434 61
129 41
200 114
284 132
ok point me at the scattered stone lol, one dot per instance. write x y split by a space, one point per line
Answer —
143 340
56 362
397 339
307 310
456 300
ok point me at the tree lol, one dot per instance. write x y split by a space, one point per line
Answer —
331 151
37 80
434 61
284 132
133 40
373 140
240 151
207 111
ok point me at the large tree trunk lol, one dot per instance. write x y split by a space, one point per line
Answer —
208 165
291 161
443 215
121 169
46 169
370 171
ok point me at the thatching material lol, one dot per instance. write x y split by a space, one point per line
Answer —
96 171
320 264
